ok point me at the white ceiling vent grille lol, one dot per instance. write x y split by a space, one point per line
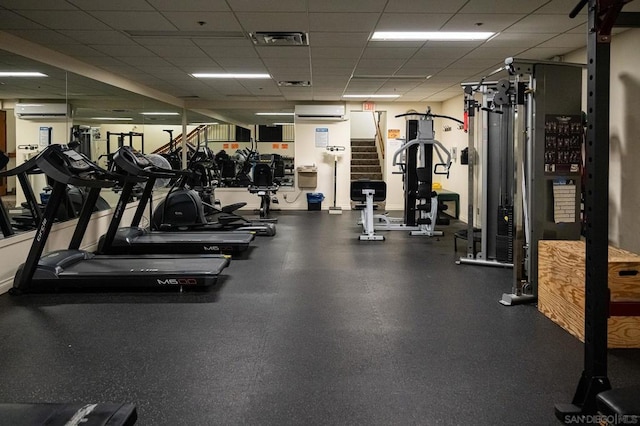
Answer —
280 38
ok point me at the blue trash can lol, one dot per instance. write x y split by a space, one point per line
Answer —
314 200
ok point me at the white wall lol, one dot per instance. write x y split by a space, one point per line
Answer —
363 124
306 153
624 174
27 132
458 174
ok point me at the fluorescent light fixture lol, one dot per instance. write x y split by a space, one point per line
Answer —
436 35
229 75
196 123
22 74
274 113
370 96
112 118
160 113
282 124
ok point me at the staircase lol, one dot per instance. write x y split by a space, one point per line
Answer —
365 163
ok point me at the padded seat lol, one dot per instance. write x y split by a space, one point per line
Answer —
623 401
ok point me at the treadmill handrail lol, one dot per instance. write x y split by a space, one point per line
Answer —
57 166
126 159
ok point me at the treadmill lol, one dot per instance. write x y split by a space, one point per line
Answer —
75 269
137 240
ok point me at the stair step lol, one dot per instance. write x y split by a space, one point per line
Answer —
370 176
364 162
366 169
362 142
357 149
364 156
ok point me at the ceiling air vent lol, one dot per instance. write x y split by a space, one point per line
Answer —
294 83
280 38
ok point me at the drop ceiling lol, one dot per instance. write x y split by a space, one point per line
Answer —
159 43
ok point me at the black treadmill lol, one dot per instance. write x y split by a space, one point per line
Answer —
136 240
78 269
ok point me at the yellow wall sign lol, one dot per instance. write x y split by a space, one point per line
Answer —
393 133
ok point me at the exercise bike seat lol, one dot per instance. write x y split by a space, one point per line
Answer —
232 207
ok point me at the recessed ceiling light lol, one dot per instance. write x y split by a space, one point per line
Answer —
370 96
112 118
160 113
436 35
229 75
274 113
22 74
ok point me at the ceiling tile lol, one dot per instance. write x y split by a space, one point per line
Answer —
297 52
229 52
98 37
177 51
124 51
44 37
36 4
495 53
419 6
415 21
560 7
430 52
249 63
573 41
347 6
342 22
545 24
391 63
191 5
345 63
130 5
139 21
389 52
163 41
502 6
489 22
214 21
77 50
518 40
337 39
272 21
144 62
544 53
336 52
268 5
64 20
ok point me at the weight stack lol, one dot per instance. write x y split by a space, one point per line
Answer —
504 237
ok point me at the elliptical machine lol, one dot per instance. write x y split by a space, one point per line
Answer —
188 205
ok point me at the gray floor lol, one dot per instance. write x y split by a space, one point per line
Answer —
314 327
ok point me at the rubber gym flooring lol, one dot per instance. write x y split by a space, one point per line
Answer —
313 328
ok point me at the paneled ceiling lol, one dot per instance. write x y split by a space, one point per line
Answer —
159 43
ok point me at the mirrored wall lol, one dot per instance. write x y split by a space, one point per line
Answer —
56 106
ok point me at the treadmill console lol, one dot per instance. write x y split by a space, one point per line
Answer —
134 157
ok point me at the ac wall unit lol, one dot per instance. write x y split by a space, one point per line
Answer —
38 111
320 112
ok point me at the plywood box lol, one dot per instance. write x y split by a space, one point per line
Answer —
561 289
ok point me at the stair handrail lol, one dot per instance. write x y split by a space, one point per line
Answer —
378 136
178 139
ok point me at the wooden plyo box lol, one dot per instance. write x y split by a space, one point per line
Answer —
561 278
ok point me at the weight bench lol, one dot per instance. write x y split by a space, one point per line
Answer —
623 402
366 193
